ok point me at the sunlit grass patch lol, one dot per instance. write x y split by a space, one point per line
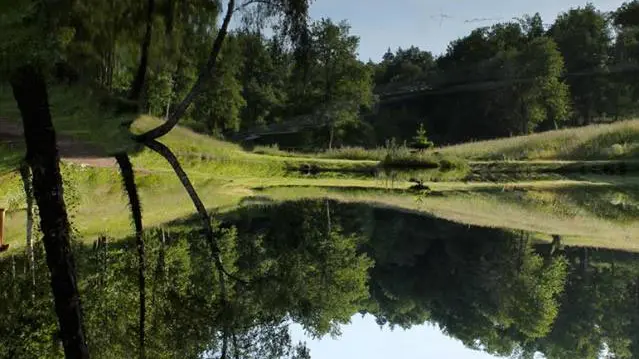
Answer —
619 140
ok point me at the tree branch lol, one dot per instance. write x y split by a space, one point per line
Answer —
249 2
198 87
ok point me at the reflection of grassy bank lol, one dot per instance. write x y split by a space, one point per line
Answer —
596 217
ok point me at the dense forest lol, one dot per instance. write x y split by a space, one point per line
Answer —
511 78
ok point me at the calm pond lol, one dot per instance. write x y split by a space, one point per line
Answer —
339 280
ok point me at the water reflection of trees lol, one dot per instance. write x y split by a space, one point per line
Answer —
317 263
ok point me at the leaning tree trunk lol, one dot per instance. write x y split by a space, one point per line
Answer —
30 92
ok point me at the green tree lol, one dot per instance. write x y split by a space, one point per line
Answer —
546 97
264 76
584 39
219 106
420 141
342 85
404 66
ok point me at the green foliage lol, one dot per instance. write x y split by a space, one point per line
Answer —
218 108
321 279
341 84
264 77
584 39
404 66
420 141
35 34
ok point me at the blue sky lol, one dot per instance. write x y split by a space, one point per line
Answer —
431 24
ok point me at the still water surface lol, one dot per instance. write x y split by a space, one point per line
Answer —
348 279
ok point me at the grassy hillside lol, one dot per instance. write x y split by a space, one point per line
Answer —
596 142
617 141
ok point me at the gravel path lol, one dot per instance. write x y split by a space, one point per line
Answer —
71 150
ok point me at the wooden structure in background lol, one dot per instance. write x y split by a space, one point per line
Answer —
3 247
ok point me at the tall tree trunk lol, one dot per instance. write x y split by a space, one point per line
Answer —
30 92
524 118
25 173
331 134
140 76
128 179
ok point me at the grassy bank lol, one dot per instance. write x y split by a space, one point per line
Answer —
164 199
617 141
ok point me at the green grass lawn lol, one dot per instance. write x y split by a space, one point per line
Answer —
227 176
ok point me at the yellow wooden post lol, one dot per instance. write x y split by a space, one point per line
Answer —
3 246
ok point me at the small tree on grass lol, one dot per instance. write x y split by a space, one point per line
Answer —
420 141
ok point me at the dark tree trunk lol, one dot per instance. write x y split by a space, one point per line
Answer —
128 179
331 134
30 92
140 76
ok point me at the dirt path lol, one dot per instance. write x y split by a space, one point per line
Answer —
71 150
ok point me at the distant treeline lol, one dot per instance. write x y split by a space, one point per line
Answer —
511 78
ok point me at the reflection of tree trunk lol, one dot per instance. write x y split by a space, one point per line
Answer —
128 178
30 92
583 261
186 182
165 152
556 244
236 349
328 217
25 173
13 268
102 260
